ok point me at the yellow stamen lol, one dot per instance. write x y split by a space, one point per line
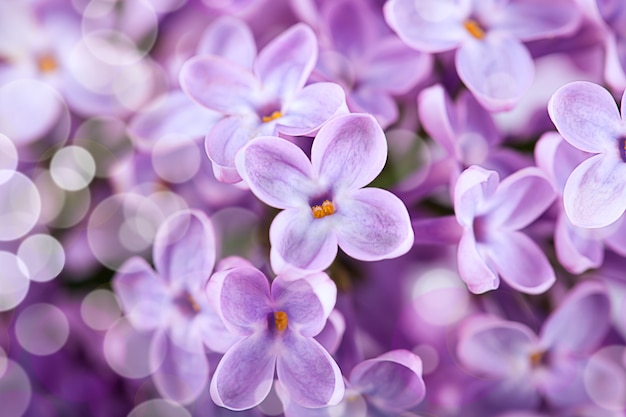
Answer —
281 320
47 63
272 116
326 209
536 358
474 29
193 303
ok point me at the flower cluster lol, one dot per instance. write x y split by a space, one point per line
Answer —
313 208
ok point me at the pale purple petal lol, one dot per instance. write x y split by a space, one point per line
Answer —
586 115
219 84
498 70
244 376
443 230
373 224
241 296
183 375
302 241
473 268
378 103
520 199
229 38
308 373
184 249
429 26
496 348
392 381
520 262
310 108
473 187
212 329
332 334
581 321
285 64
349 151
351 27
307 301
144 295
436 112
277 171
576 249
595 192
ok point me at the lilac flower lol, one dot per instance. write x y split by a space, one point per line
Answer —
487 34
549 364
586 116
391 383
170 302
265 97
491 214
324 201
277 327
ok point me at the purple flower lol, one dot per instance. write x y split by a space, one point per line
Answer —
586 116
492 213
264 97
277 327
324 201
487 34
171 303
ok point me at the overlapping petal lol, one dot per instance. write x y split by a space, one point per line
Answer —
479 276
474 186
230 38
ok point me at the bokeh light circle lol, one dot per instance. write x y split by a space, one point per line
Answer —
14 281
8 158
176 163
43 256
72 168
100 309
605 378
42 329
15 390
440 297
125 350
159 408
20 206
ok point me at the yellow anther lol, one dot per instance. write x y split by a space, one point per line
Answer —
281 320
47 63
326 209
193 303
474 29
536 358
272 116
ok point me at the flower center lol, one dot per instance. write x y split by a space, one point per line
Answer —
277 114
326 209
622 148
474 29
537 358
187 305
281 320
47 63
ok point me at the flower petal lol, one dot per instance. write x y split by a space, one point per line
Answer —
332 334
473 187
229 38
241 296
302 241
277 171
473 268
184 249
308 373
520 262
219 84
144 295
581 321
392 381
498 70
285 64
349 151
586 115
595 192
183 375
244 376
307 301
575 248
373 224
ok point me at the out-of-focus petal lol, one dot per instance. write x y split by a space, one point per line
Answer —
303 241
183 375
351 26
241 296
496 348
581 321
349 151
587 116
473 267
498 70
310 108
520 262
378 103
229 38
184 249
277 172
595 192
436 112
392 381
308 373
332 334
285 64
307 301
373 224
144 295
576 249
219 84
244 376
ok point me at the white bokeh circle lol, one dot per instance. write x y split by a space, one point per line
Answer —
159 408
20 206
14 281
43 256
42 329
15 390
72 168
100 309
